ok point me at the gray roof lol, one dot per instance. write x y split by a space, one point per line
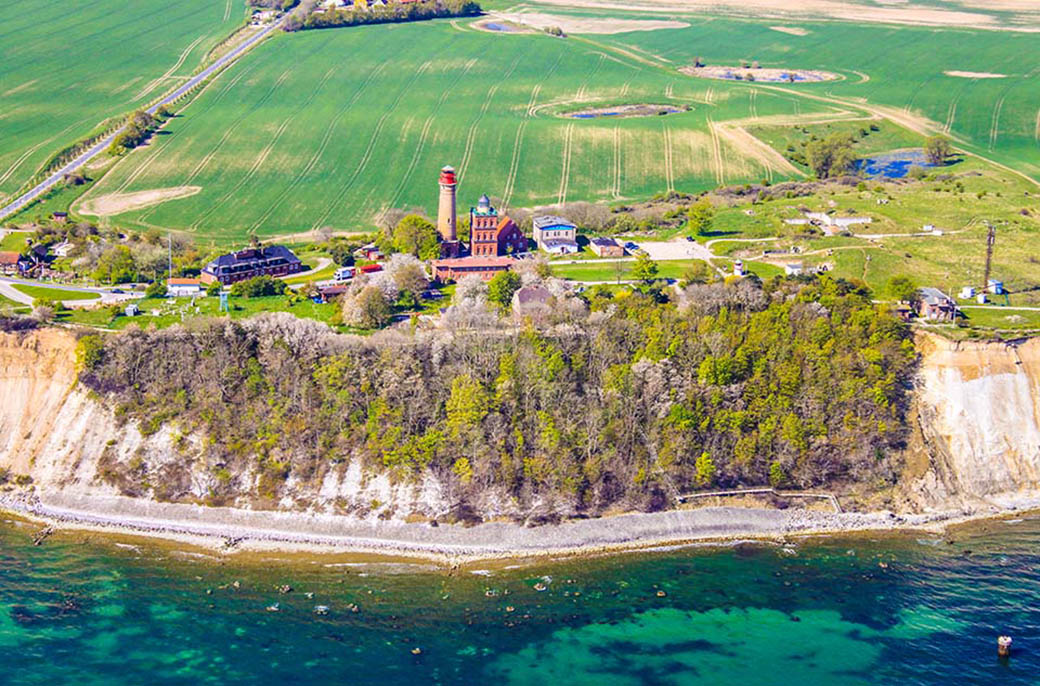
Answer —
252 258
530 295
549 220
604 241
934 296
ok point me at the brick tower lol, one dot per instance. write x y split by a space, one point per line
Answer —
446 205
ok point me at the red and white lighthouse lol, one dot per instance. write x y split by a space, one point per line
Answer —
446 205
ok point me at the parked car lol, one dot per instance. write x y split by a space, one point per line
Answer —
631 247
691 239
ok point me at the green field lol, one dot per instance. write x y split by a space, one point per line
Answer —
292 139
900 68
54 293
67 66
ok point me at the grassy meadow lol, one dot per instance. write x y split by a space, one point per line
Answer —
65 67
319 129
899 69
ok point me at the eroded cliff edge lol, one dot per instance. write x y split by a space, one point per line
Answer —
976 444
977 411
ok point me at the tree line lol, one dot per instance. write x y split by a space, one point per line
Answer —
624 402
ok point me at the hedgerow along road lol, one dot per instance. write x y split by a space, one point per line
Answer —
31 195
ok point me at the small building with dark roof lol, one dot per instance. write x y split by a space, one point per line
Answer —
270 260
606 247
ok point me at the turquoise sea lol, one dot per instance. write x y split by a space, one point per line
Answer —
907 609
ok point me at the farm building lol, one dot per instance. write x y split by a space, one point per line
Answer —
936 305
270 260
555 235
606 247
491 235
453 269
184 288
794 269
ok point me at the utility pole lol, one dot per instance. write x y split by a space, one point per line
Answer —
991 238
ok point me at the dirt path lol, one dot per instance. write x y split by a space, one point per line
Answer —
117 203
565 170
754 148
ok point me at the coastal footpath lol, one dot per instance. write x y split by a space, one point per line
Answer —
975 451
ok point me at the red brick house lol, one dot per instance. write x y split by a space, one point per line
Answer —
491 235
453 269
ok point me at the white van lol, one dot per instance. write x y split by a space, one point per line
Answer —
343 274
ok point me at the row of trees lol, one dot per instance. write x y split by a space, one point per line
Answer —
394 12
139 127
796 383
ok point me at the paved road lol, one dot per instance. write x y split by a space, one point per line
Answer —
103 144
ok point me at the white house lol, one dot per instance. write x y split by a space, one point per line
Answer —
62 249
184 288
793 268
555 235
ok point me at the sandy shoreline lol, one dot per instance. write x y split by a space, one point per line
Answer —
231 531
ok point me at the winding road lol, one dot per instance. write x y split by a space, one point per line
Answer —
28 197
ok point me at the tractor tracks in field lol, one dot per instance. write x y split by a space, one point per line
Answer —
325 140
155 83
140 171
471 133
204 162
417 153
615 190
261 158
994 129
669 169
716 152
565 169
363 162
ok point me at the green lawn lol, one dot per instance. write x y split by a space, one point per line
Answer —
68 66
666 269
1002 318
14 241
176 310
54 293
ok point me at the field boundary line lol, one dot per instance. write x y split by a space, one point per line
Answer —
363 162
326 139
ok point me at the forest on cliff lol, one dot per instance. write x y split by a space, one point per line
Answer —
623 403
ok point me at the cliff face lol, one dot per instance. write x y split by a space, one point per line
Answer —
70 443
977 409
